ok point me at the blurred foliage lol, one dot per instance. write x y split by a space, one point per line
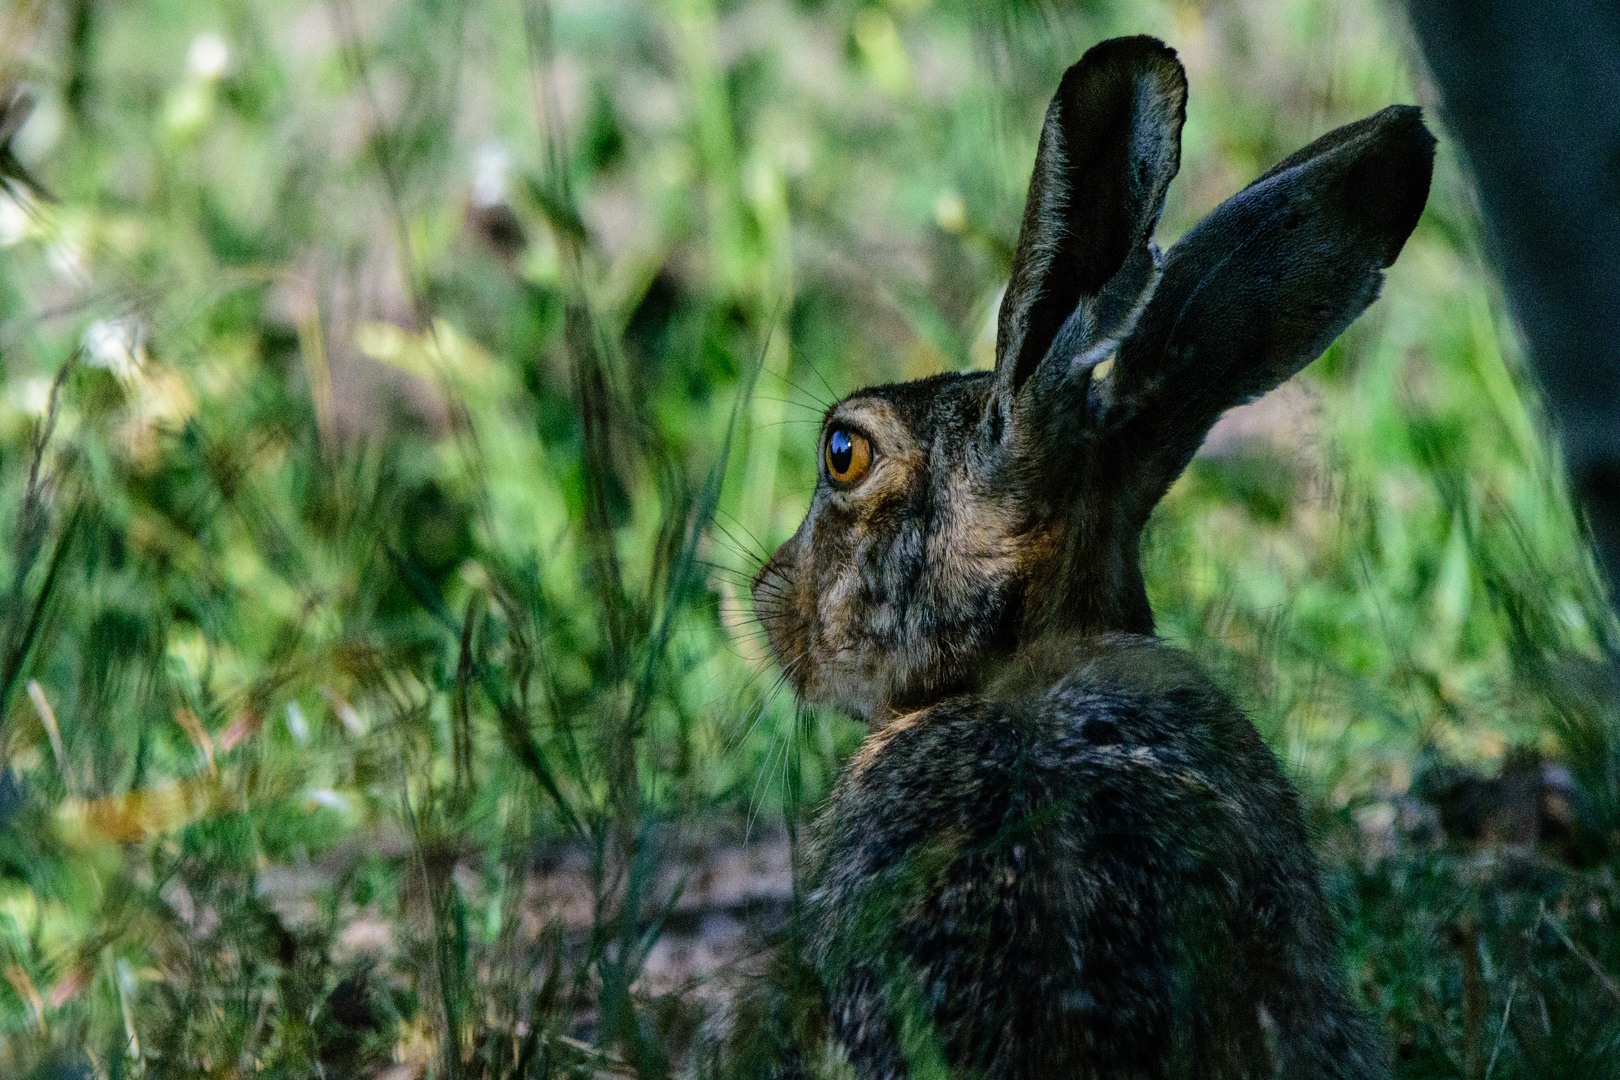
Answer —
398 394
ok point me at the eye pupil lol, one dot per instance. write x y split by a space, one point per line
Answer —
840 452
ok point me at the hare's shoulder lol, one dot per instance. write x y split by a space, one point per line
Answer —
1068 713
1040 854
1101 750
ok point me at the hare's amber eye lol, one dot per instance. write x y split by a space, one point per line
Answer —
849 455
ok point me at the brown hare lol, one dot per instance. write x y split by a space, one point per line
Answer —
1061 852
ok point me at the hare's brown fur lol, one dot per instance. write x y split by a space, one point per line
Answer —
1061 851
1094 868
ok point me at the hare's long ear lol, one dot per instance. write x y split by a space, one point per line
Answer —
1262 285
1085 261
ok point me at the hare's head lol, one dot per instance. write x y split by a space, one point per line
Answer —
962 515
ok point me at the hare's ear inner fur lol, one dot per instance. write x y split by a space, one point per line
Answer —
1109 148
1261 286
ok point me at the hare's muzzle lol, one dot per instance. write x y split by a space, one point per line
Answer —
776 593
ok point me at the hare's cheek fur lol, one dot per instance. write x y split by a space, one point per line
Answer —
838 622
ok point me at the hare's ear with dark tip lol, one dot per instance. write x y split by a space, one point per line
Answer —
1262 285
1109 147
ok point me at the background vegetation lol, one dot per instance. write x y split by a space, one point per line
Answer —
396 395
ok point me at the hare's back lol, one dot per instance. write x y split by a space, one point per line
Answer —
1094 872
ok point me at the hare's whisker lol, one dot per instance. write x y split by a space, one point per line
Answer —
738 546
789 401
762 784
725 543
815 368
750 533
793 385
736 578
759 546
752 716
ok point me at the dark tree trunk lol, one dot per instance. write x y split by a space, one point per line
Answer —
1531 91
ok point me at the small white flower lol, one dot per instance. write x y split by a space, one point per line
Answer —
67 259
208 56
490 166
128 985
328 798
13 219
31 397
117 345
296 724
352 722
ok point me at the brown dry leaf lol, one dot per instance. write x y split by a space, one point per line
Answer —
67 986
198 735
244 727
135 815
47 717
20 982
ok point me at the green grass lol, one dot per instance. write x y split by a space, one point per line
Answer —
396 396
